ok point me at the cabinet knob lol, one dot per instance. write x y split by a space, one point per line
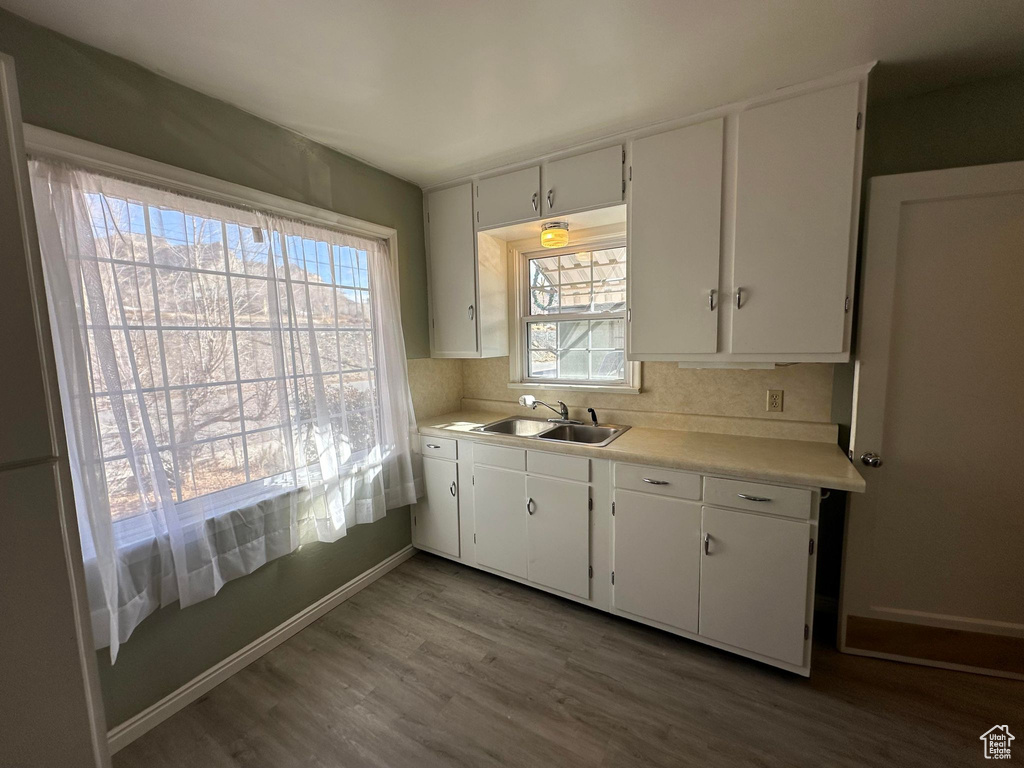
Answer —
471 312
739 298
534 200
711 299
551 199
531 507
452 489
707 543
871 459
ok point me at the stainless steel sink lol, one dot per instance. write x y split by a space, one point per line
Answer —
516 427
598 436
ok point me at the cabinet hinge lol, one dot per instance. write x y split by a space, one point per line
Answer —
478 217
810 549
860 120
590 505
623 155
613 509
474 538
590 571
623 186
807 632
472 479
846 306
631 173
613 577
629 315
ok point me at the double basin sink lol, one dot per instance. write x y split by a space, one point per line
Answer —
539 429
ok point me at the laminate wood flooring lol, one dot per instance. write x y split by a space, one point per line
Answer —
436 664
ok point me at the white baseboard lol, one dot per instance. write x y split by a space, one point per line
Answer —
131 729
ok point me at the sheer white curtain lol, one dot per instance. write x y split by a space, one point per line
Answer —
233 384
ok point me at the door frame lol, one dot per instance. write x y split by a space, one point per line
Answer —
26 244
886 196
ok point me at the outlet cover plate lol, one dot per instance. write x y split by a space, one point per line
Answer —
774 401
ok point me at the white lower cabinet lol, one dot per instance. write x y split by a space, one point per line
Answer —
753 582
499 500
436 515
656 558
661 554
558 534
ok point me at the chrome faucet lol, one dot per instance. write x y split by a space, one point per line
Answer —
529 401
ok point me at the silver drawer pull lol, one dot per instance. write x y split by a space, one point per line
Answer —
531 507
707 543
655 482
432 445
748 497
452 489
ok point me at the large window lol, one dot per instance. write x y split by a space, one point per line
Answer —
574 323
222 347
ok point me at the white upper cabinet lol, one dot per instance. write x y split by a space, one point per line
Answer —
582 182
510 198
468 272
675 216
452 271
795 187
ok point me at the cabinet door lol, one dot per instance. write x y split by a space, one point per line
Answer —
509 198
591 180
453 271
656 558
674 241
794 210
558 528
499 499
753 583
436 516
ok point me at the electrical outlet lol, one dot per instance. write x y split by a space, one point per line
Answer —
774 403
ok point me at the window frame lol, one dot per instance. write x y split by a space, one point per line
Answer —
42 142
520 254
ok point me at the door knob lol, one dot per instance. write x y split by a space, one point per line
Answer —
870 459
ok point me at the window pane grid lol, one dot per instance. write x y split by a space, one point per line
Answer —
575 324
194 293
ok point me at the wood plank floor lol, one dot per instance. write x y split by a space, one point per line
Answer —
441 665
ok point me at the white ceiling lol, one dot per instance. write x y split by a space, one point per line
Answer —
432 91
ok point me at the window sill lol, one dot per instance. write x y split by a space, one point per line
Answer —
617 389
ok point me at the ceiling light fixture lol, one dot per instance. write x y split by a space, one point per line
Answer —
554 234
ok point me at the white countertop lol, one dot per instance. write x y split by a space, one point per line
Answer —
790 462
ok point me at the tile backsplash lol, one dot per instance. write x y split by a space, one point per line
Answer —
707 400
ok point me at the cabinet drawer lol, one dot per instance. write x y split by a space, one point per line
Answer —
439 447
497 456
663 482
558 465
758 497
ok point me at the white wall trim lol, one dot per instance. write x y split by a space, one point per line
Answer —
125 733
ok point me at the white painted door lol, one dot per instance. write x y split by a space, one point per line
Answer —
795 187
656 558
499 500
590 180
452 272
558 532
436 515
753 583
936 539
508 199
675 218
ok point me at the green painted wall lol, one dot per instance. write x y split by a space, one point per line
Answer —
81 91
972 124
